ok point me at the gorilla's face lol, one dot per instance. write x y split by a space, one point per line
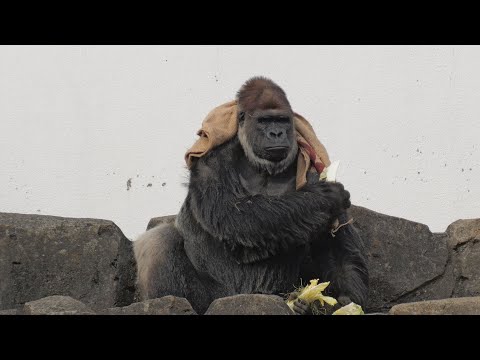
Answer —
268 138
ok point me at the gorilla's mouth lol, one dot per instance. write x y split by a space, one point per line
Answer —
274 148
276 153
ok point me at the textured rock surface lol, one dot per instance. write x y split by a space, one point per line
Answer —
405 259
56 305
87 259
8 312
92 261
160 220
439 288
167 305
377 313
254 304
454 306
464 244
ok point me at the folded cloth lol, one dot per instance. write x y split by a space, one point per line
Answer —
221 125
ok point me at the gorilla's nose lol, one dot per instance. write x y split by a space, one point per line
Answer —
275 134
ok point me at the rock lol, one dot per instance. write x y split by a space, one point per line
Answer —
8 312
405 259
377 313
454 306
87 259
249 304
464 243
167 305
439 288
161 220
461 232
56 305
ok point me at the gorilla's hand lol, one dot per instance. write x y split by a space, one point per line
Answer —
335 193
342 194
300 307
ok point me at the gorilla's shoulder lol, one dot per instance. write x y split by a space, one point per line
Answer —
220 156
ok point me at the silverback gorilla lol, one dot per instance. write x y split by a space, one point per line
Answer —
244 228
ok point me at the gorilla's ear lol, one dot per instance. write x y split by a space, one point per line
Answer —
241 116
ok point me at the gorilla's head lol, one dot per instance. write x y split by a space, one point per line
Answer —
265 125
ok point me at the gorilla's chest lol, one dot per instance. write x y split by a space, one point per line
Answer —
226 275
260 182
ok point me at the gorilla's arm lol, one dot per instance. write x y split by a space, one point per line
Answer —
340 260
256 227
351 281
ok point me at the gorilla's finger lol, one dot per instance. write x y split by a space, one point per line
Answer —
300 307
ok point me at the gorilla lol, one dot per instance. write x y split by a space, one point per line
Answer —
244 228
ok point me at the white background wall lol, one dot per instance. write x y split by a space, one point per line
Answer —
76 122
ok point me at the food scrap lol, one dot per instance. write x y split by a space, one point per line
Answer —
313 292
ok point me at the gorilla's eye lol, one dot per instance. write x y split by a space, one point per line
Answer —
282 119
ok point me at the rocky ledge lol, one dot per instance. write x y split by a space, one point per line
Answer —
55 265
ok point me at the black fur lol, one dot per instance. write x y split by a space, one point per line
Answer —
246 229
340 260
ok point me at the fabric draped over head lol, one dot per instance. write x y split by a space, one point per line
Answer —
221 125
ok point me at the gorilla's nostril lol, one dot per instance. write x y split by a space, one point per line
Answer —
275 134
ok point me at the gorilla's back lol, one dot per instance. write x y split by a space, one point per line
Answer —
152 249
